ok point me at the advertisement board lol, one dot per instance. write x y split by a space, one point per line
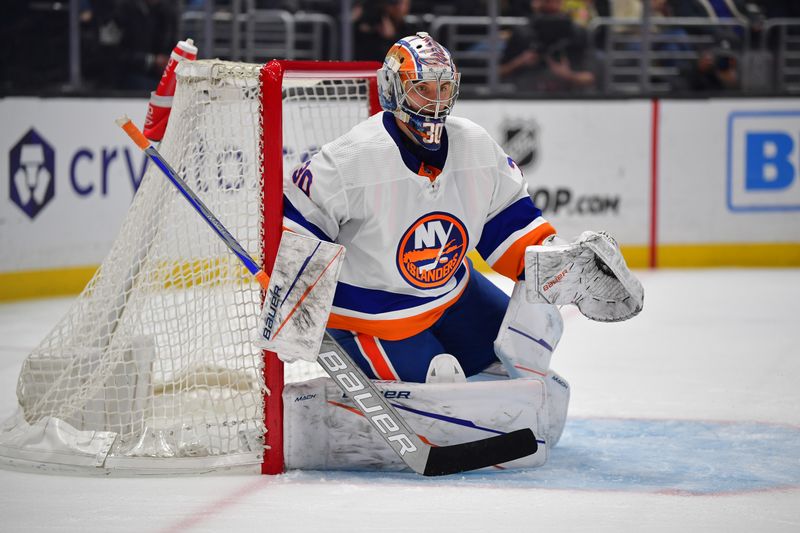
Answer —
587 163
729 171
677 182
67 177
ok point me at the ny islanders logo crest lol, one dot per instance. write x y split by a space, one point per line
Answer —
431 250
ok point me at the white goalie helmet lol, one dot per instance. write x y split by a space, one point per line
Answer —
419 84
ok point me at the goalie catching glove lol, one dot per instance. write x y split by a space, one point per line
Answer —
590 273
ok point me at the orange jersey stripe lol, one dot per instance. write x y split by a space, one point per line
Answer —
512 262
393 329
370 349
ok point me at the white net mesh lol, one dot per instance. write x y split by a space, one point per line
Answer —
158 348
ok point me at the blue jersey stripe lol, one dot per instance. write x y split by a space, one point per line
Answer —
375 301
291 212
512 218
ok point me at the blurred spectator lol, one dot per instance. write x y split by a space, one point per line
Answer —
95 57
452 7
378 25
517 8
741 10
746 12
148 32
328 7
133 40
615 9
780 8
625 9
690 8
675 38
580 11
713 73
602 8
549 54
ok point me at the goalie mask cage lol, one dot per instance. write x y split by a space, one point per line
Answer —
154 369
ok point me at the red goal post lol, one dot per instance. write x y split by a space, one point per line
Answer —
274 76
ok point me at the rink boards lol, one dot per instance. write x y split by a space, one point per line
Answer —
678 182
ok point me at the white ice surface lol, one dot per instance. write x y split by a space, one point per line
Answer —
686 418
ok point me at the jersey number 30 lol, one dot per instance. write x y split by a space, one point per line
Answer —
434 132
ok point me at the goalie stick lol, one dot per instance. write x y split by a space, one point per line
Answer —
421 457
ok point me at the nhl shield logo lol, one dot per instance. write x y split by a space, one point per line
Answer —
32 172
521 140
431 250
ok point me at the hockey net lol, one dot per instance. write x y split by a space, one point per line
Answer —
153 369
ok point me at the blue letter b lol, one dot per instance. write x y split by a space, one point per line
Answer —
759 161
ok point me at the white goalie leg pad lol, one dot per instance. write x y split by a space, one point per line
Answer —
558 393
444 368
528 335
323 429
557 404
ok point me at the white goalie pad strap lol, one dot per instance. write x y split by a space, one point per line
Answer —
528 335
557 403
299 297
323 430
590 273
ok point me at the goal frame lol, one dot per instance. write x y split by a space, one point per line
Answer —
272 76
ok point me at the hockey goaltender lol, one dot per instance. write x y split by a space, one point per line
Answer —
408 195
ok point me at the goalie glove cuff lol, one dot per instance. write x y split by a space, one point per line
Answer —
554 240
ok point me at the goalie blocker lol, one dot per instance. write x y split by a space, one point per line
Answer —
299 297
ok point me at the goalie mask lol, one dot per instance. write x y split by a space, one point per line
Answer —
419 83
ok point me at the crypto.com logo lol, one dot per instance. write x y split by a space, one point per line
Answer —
32 172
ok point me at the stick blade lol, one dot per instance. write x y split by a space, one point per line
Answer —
457 458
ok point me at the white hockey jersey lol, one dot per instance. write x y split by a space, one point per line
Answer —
407 225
